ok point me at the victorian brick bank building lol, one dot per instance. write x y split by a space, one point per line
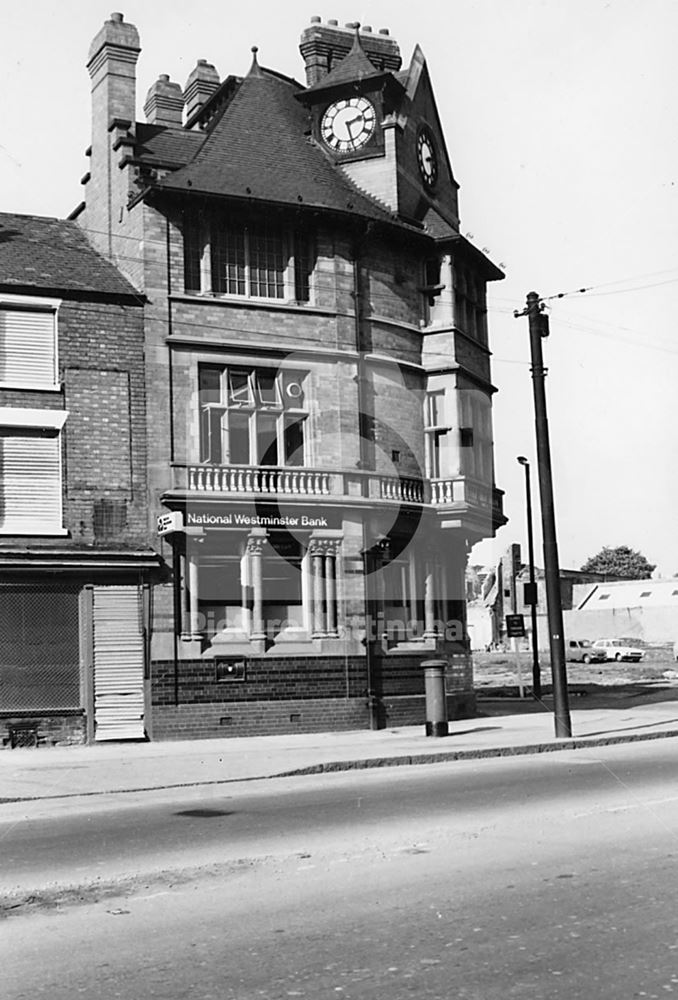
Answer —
317 375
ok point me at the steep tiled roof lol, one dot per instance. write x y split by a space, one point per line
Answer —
44 253
172 147
261 148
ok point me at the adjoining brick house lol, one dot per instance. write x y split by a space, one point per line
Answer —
318 380
74 553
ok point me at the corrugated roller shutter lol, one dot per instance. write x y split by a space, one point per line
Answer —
31 480
118 664
27 347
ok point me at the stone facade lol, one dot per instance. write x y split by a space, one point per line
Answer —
317 381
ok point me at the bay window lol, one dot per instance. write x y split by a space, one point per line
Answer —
434 430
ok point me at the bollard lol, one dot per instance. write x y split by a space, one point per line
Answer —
436 700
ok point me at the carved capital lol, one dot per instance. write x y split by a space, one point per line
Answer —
324 546
255 545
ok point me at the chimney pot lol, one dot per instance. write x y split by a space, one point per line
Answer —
117 16
315 19
323 46
164 103
201 84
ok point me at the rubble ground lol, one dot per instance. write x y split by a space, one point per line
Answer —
499 669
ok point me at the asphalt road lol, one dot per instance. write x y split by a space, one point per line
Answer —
542 877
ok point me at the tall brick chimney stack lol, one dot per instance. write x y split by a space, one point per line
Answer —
111 64
164 103
201 84
324 45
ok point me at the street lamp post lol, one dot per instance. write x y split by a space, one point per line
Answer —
536 672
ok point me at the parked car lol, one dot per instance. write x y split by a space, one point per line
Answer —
583 651
618 649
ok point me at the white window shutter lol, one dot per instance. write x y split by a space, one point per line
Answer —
28 348
30 483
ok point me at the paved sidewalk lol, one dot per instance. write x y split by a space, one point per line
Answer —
49 773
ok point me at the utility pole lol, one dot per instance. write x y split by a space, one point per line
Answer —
538 324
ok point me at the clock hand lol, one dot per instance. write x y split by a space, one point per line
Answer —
351 122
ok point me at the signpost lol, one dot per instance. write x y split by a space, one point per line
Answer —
515 626
515 630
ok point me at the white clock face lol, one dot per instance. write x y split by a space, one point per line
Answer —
427 159
348 124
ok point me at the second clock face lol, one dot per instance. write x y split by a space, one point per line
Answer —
427 158
348 124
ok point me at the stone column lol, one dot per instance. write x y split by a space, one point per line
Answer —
255 549
317 560
192 628
331 589
429 599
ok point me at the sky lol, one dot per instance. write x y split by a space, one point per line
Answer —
560 123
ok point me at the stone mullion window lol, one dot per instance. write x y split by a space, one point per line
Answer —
258 260
434 429
251 416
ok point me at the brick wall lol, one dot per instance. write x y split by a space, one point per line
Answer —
101 360
259 718
42 729
101 370
305 694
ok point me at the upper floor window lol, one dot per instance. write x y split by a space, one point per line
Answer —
251 416
30 459
253 260
470 308
475 434
434 429
28 342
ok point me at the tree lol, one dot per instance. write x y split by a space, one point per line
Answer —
620 561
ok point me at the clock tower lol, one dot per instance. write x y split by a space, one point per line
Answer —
350 103
378 123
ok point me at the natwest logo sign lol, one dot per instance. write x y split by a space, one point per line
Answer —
173 521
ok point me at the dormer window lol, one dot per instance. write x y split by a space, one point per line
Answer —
251 260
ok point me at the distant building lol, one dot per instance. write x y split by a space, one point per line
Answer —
640 609
502 592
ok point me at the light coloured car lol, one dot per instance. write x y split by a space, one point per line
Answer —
619 649
583 651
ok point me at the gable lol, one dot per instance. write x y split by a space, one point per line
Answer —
419 112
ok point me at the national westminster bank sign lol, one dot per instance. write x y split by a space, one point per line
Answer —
252 515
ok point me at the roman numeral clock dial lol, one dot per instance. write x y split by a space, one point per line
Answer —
427 158
348 124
